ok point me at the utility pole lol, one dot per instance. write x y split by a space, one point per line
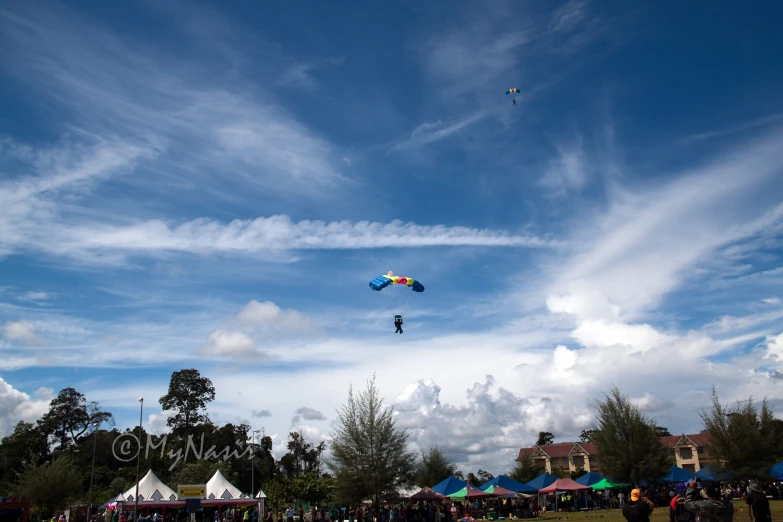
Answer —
138 462
92 470
253 467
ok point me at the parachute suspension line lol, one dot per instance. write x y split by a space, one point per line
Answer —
395 298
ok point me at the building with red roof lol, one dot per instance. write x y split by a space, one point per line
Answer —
688 452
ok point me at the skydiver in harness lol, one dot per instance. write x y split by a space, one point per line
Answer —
514 101
398 323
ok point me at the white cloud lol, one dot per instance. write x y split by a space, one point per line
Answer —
649 403
775 348
18 406
157 423
772 300
429 132
21 331
606 334
261 413
568 171
647 242
590 304
271 236
269 315
310 414
232 344
35 296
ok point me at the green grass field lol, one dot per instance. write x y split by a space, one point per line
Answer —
660 514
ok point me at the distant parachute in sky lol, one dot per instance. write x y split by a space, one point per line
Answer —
512 91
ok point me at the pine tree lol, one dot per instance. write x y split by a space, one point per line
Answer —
369 452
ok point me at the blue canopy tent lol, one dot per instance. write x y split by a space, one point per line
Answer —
542 481
777 471
589 479
678 475
710 473
449 486
509 484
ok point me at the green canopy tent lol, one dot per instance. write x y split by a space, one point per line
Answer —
498 491
606 484
468 493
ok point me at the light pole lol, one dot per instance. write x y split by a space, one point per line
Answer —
92 470
253 467
138 457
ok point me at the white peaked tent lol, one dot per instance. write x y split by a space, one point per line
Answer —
219 488
152 491
261 495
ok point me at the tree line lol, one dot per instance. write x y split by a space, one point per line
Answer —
49 461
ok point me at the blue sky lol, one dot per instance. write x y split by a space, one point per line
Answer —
188 186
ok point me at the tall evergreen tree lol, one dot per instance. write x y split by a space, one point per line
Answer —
369 452
433 467
628 445
745 440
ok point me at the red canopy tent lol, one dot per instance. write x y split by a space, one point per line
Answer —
564 484
427 494
502 492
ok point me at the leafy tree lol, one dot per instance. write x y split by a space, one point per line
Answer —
545 438
433 467
629 447
198 471
579 472
746 441
526 470
302 456
660 431
51 486
459 474
277 492
586 436
369 453
188 396
26 446
484 476
311 487
473 480
70 417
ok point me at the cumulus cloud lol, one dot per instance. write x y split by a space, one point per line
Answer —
310 414
775 348
232 344
18 406
269 315
261 413
258 322
22 332
489 429
157 423
650 403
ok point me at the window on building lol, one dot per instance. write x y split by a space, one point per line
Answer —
579 461
689 467
686 453
700 450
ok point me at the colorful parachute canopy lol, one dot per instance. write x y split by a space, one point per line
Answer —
382 281
512 91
